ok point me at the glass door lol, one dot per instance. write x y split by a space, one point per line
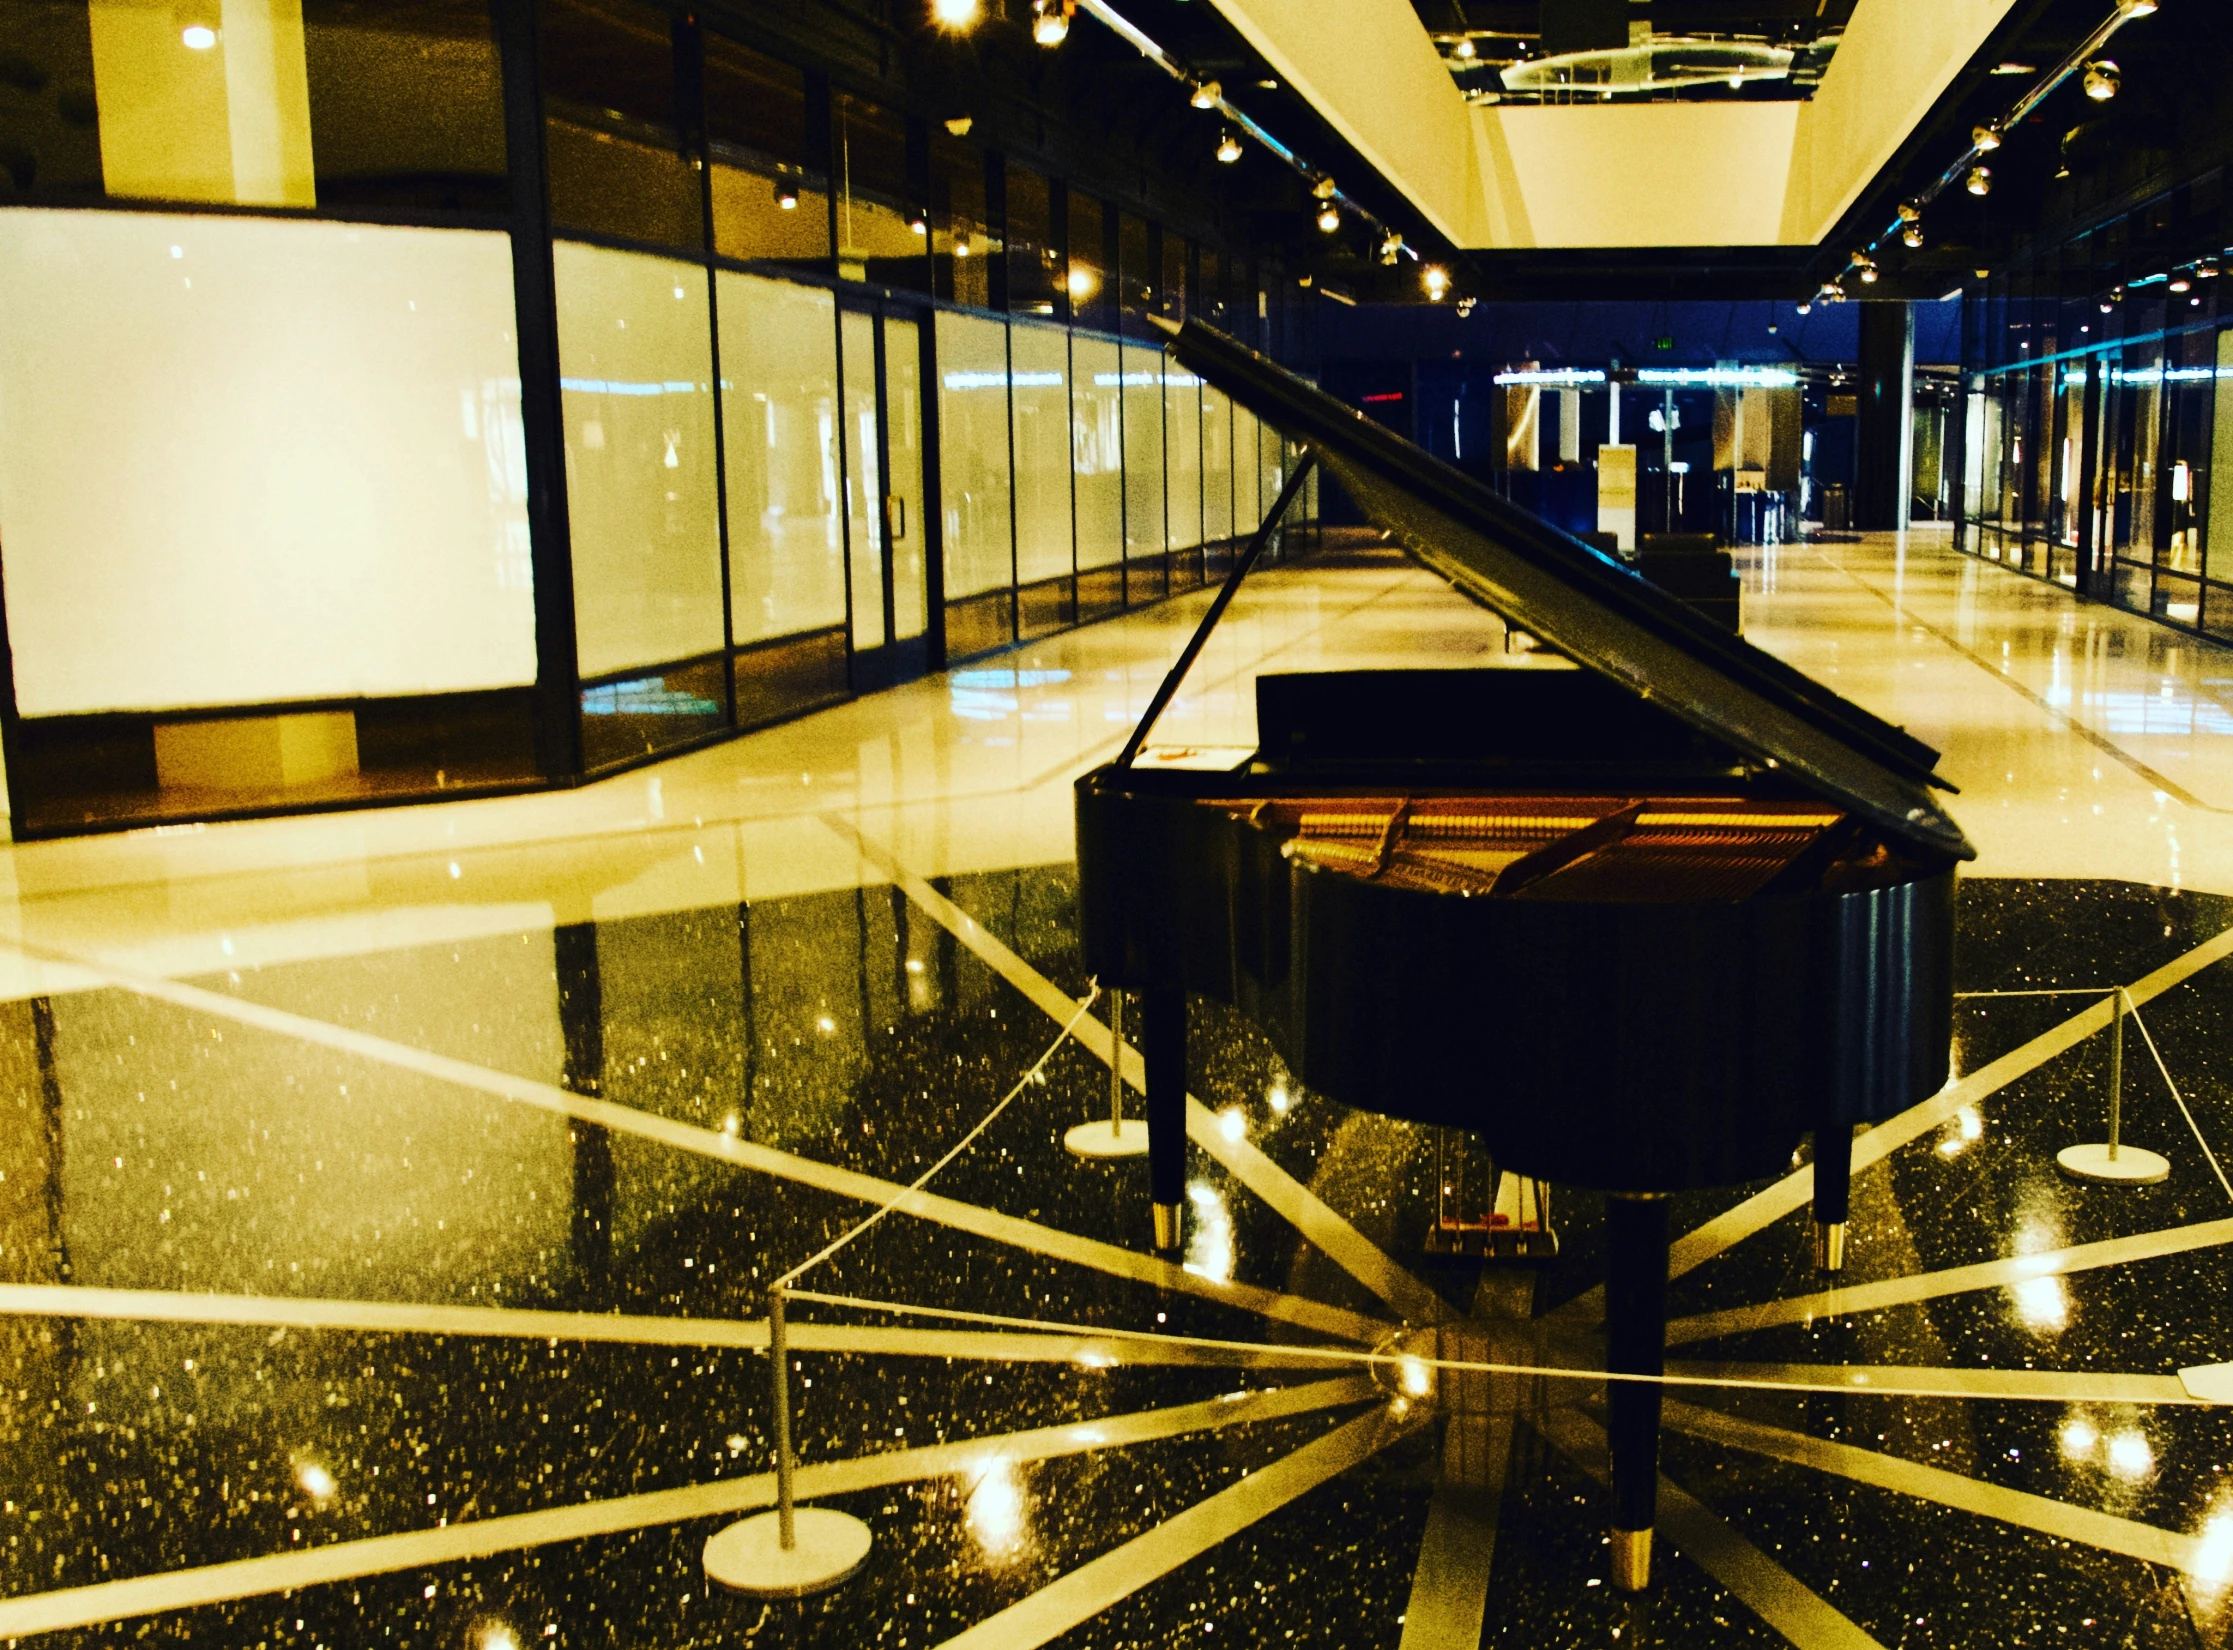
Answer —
887 607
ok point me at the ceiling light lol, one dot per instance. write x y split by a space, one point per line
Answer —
956 14
1323 189
2137 8
1465 307
2181 281
1464 50
1050 21
1205 94
2207 269
786 196
1979 181
1984 139
2108 306
1912 234
1083 283
1391 246
2102 79
960 125
1330 218
1868 274
917 224
198 36
1910 212
2014 68
1228 148
1806 309
1436 280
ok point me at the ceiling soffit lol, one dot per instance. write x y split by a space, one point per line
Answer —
1499 177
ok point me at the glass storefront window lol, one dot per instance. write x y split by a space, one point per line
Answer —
864 479
1144 520
1247 510
903 445
1182 465
265 102
636 363
1039 363
1035 263
963 246
1136 272
615 148
1175 291
882 236
1097 448
1092 295
253 460
1217 466
979 544
770 200
779 433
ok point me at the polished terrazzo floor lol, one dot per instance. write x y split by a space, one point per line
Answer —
387 1201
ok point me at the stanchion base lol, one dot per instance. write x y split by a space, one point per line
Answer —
2130 1167
748 1556
1631 1551
1128 1139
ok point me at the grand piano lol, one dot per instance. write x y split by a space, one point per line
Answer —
1643 922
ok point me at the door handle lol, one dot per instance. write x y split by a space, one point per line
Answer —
895 517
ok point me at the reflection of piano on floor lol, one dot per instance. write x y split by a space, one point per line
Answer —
1641 926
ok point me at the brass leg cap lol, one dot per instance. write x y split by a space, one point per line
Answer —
1829 1246
1169 1230
1632 1560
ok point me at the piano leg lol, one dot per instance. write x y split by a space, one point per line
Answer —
1636 1344
1833 1194
1163 1050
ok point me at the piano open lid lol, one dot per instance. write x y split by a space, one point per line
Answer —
1593 609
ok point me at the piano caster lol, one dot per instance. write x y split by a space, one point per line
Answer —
1829 1246
1170 1228
1631 1560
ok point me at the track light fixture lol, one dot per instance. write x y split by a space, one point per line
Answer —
1391 247
1323 189
956 14
1984 139
786 195
1912 234
2181 281
1329 218
918 224
1463 50
2206 270
1868 274
1979 181
960 125
1806 307
2103 78
1050 20
1910 212
1228 149
1205 94
1436 280
1465 307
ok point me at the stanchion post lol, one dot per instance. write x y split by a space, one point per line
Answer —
2119 1004
779 1356
1121 1137
791 1552
2113 1163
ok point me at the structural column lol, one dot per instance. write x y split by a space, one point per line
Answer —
1887 422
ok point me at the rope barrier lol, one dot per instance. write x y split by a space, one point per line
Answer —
1378 1358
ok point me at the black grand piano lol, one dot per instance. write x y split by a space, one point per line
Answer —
1643 924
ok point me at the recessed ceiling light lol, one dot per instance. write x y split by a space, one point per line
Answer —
2014 68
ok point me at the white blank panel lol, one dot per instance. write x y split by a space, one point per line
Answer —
1182 469
1143 452
245 461
635 357
1217 466
1040 396
973 453
1097 448
780 428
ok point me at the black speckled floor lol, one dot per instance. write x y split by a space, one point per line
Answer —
148 1146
